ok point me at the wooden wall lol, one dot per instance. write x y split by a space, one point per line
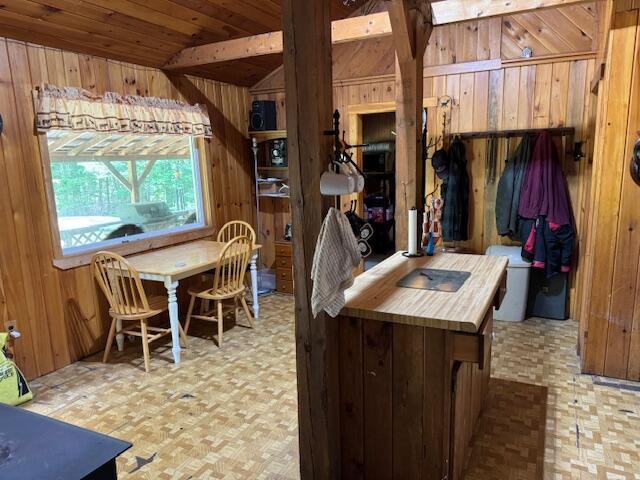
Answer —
529 95
610 321
57 312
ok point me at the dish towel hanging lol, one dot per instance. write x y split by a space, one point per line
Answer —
336 255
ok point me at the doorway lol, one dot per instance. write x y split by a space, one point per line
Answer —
379 121
378 165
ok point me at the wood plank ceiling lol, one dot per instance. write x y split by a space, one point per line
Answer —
149 32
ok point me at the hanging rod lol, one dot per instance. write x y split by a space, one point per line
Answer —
556 132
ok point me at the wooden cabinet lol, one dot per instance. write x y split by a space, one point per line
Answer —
470 385
284 267
410 397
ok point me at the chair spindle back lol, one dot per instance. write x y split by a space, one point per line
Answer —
232 265
120 283
236 228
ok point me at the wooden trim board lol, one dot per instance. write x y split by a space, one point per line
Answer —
441 70
385 107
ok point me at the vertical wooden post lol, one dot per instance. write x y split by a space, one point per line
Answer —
411 25
133 181
307 66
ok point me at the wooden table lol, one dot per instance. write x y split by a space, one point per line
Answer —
414 367
34 446
170 265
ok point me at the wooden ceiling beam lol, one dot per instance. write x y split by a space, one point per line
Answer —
356 28
402 19
139 146
84 146
64 140
121 178
255 45
114 145
455 11
147 170
342 31
166 145
90 157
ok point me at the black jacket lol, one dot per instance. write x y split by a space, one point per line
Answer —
509 186
547 246
455 193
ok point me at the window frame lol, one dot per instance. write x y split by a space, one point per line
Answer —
147 241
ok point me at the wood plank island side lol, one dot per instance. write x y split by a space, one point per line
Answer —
432 351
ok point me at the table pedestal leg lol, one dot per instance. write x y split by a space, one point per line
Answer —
254 285
173 319
120 336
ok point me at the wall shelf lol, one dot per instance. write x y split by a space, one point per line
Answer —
272 204
274 195
274 169
265 181
266 135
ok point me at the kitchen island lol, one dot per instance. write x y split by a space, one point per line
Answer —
414 365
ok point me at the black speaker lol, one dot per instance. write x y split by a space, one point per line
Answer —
263 115
278 153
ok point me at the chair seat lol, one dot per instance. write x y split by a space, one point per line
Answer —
205 291
157 305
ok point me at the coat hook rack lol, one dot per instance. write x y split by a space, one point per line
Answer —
558 131
571 149
433 142
577 151
340 147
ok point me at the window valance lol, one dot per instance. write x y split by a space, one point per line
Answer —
71 108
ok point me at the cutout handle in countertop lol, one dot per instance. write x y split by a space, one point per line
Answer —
434 279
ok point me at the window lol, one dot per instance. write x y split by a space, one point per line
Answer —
114 188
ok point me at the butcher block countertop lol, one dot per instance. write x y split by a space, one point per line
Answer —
375 295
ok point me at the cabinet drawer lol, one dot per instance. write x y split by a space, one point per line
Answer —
502 291
284 286
475 347
284 274
283 249
283 262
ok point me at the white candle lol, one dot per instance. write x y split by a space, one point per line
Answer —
412 230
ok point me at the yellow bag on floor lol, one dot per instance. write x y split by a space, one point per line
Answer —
13 387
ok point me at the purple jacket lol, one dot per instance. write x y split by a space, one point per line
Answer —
544 190
546 222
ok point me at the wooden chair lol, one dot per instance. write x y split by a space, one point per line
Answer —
128 302
236 228
229 231
228 284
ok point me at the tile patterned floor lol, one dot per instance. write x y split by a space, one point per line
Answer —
231 413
